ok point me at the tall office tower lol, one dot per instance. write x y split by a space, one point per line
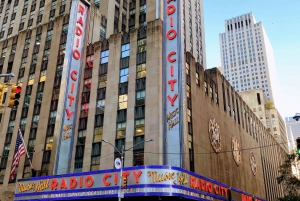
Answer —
247 56
293 131
268 115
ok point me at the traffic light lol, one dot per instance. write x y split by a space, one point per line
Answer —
124 182
298 145
15 94
2 87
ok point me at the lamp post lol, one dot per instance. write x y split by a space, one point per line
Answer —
122 152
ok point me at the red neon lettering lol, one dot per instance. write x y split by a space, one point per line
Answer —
74 72
116 178
216 189
209 187
168 1
69 114
73 182
106 183
88 84
171 82
54 184
171 21
80 182
198 184
203 185
77 42
172 70
81 9
72 98
169 57
137 176
172 100
89 181
78 31
76 54
170 9
171 34
63 184
192 181
80 21
90 63
86 107
72 87
125 174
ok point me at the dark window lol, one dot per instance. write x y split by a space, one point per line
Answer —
258 99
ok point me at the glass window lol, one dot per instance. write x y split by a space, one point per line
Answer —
100 106
104 56
49 35
141 70
95 162
143 9
46 54
31 79
3 52
49 142
102 81
53 5
59 70
38 39
140 97
27 43
102 31
31 15
62 49
125 50
26 4
13 48
65 29
41 10
98 134
140 127
124 75
142 45
121 130
123 101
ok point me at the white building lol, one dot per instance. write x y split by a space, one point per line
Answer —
293 131
247 56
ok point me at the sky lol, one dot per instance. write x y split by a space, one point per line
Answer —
281 20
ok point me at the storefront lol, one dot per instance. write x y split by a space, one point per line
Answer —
159 182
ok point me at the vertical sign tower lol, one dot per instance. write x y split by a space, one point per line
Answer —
173 84
68 97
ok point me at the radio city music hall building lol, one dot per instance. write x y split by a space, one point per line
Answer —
124 72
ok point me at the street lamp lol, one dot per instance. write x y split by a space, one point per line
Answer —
122 152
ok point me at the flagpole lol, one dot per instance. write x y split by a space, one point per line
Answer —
19 133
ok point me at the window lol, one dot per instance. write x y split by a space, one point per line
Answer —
13 48
141 70
43 76
53 5
102 31
23 18
15 9
143 9
188 91
123 101
3 52
205 87
41 10
102 81
104 56
26 4
65 29
211 92
273 115
27 172
59 70
95 162
35 121
140 98
38 39
125 50
274 122
98 134
197 79
142 47
34 59
140 127
121 130
62 49
31 79
52 117
124 75
49 35
49 142
27 43
31 15
46 54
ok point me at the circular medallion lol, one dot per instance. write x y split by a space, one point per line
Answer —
236 152
253 163
214 135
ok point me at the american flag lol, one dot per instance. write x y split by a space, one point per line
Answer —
19 151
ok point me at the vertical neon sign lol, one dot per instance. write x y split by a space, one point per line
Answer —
172 84
65 122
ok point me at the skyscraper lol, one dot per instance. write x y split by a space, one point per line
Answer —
247 56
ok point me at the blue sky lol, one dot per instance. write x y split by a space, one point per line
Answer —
281 20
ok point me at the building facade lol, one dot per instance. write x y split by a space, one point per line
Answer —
124 72
247 56
293 131
267 114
